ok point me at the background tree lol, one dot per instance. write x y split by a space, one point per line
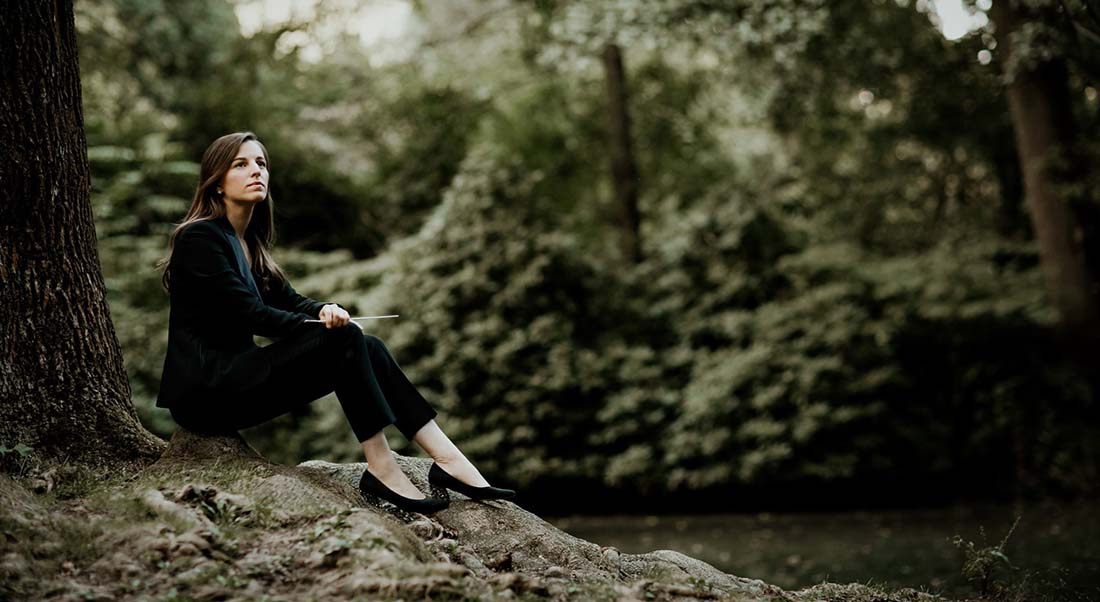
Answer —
1064 211
624 170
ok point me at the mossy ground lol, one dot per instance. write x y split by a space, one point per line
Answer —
96 537
109 544
219 531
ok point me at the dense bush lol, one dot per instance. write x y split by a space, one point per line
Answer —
524 344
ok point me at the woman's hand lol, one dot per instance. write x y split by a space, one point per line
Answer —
333 316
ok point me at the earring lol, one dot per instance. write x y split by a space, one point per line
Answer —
219 191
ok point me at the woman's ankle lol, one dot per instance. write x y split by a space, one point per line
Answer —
383 466
451 459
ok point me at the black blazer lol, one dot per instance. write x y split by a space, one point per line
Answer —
216 308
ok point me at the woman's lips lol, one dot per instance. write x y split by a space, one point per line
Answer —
256 184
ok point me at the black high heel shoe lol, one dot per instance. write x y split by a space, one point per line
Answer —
442 479
369 484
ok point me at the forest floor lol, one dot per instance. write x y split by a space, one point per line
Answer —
227 525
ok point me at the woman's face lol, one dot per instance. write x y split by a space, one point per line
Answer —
246 180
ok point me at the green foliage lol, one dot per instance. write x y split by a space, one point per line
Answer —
17 459
137 194
418 139
982 564
822 361
812 383
20 448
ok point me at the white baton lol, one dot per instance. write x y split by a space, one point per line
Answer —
362 318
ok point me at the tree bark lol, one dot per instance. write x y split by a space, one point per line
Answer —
624 169
63 389
1042 119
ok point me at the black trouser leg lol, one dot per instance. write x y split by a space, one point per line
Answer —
370 385
410 410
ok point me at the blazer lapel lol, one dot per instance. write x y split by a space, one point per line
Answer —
242 265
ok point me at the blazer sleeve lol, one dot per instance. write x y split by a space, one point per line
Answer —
286 298
200 257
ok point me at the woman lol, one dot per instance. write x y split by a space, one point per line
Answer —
225 287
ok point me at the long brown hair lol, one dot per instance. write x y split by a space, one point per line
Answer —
207 204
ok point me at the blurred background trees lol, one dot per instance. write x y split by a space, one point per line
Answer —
642 247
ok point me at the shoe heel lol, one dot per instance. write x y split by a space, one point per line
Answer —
443 480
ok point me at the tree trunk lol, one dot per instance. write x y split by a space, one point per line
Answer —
624 170
63 389
1011 221
1039 105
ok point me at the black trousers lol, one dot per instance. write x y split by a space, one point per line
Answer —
371 387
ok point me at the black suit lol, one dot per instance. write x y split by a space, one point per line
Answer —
216 378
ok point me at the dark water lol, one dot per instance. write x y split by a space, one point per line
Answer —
1056 547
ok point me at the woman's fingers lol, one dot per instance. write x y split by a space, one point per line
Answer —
334 316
